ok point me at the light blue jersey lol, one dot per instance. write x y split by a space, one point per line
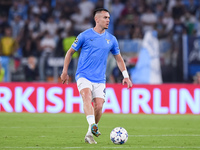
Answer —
95 48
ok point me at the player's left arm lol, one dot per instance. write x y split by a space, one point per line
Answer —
122 68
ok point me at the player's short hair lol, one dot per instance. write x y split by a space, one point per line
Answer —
99 10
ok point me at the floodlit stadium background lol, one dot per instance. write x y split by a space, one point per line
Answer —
35 35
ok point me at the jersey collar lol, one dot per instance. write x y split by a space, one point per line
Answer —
98 33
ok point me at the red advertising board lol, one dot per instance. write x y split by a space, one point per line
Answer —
56 98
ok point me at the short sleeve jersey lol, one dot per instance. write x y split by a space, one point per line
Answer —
95 48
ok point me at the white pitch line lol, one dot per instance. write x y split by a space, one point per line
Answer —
152 128
163 135
116 147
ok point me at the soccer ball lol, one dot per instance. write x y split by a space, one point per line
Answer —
119 135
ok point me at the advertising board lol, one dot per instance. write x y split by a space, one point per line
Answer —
59 98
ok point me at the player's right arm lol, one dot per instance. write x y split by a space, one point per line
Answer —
64 76
75 47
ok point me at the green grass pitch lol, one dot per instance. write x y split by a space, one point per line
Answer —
26 131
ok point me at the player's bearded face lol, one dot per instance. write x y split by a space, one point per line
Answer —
104 19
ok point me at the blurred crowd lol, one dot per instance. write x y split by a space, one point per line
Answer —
40 29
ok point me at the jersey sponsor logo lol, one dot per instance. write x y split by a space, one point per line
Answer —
107 41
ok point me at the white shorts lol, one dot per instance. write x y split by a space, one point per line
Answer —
97 89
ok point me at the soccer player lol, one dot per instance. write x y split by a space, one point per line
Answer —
95 44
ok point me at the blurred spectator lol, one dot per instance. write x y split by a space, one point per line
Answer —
148 19
45 10
28 44
8 45
129 13
192 7
99 4
85 25
23 6
190 22
3 23
47 47
159 11
65 24
197 15
178 10
51 26
140 6
152 3
35 6
2 73
34 3
136 33
168 22
17 25
77 19
31 70
86 8
30 47
170 5
18 9
70 7
67 42
121 29
117 8
57 11
59 50
160 27
178 30
196 78
36 27
14 10
5 5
